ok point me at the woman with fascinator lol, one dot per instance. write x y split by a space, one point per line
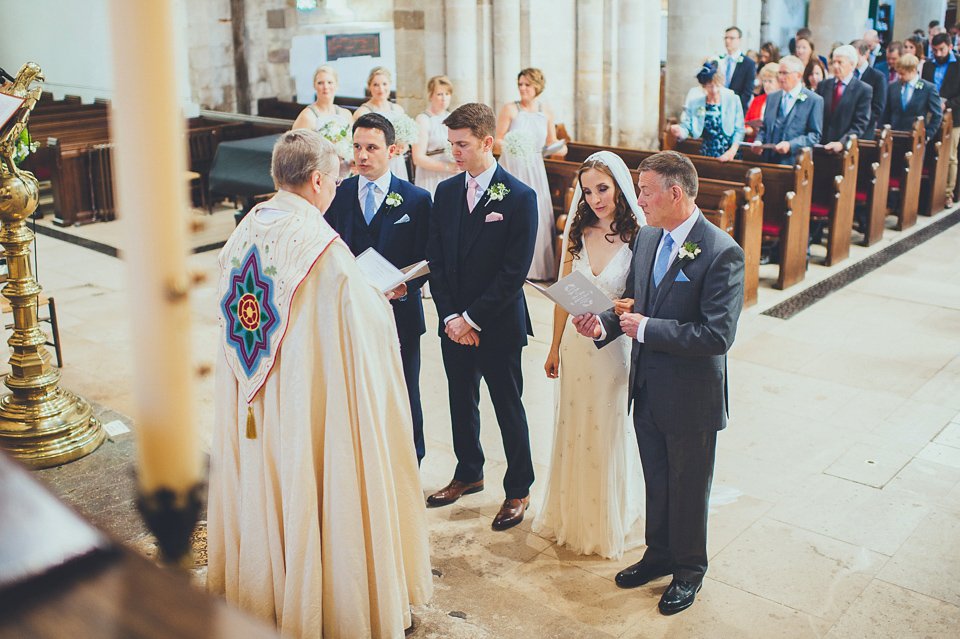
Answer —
595 494
715 116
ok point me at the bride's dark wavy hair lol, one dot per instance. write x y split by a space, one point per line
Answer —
624 222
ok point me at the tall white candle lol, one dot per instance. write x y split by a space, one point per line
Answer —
149 168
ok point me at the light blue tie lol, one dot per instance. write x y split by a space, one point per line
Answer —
369 204
729 70
784 108
663 260
905 96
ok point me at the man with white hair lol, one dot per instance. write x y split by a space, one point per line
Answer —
871 37
793 117
846 100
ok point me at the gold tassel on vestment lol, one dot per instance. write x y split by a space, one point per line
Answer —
251 424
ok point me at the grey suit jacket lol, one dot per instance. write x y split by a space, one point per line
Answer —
693 321
803 126
851 115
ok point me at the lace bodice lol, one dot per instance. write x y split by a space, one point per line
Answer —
613 278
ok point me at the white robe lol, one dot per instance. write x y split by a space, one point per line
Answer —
318 524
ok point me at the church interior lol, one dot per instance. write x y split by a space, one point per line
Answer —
835 505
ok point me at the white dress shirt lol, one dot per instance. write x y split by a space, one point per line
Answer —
380 193
483 183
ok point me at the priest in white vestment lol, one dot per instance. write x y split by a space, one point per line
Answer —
316 519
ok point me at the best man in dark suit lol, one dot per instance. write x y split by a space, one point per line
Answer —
846 101
687 289
482 235
877 81
377 210
944 71
739 71
910 97
793 117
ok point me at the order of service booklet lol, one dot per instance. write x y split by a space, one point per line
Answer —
576 295
384 275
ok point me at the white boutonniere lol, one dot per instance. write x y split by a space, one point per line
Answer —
739 58
701 111
919 85
689 250
497 191
802 97
394 199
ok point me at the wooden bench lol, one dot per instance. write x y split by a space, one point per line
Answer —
834 196
873 183
906 170
936 165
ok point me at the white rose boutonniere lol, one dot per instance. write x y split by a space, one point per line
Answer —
497 192
739 58
689 251
394 199
919 84
802 97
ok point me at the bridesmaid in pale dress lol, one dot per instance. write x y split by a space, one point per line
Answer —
595 493
433 165
530 114
378 83
323 110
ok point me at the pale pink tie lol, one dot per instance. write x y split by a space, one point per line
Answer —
472 193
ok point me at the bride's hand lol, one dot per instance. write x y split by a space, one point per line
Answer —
552 367
623 306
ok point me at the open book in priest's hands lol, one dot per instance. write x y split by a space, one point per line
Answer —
576 295
384 275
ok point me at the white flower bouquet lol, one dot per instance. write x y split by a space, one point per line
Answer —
520 145
407 129
340 136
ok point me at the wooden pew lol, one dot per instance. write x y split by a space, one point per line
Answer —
905 173
936 165
873 183
834 197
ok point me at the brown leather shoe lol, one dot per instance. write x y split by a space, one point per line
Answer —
511 513
453 491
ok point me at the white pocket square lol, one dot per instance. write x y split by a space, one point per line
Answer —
681 277
405 218
493 217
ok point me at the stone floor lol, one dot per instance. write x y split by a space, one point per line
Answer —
839 471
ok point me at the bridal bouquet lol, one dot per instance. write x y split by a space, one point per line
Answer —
520 145
340 136
407 129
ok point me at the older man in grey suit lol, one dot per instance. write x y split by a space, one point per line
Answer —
687 288
793 117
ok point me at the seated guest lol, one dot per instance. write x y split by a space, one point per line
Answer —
814 73
876 80
738 70
872 38
315 517
793 118
769 52
915 45
910 97
769 84
888 66
716 116
846 100
944 72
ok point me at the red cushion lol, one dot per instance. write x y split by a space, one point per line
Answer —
771 228
861 197
925 172
818 210
894 182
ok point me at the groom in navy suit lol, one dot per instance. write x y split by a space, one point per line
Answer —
377 210
482 235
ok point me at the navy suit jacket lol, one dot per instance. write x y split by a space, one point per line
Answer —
878 81
852 114
403 240
950 89
925 101
803 127
744 75
480 268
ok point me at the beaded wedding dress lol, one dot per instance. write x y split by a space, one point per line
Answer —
595 491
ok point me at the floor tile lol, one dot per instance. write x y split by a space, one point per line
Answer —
868 465
887 611
929 561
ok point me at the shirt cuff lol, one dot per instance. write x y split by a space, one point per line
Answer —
446 320
603 334
641 329
466 318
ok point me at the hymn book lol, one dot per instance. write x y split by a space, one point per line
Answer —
384 275
9 105
576 295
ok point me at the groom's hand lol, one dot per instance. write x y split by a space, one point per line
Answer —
470 338
587 325
457 328
630 322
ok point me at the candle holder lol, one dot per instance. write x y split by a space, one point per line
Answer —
172 516
41 424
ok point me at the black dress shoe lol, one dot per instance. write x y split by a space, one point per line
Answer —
640 573
679 596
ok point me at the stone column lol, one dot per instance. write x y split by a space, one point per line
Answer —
485 70
408 22
506 51
589 71
916 14
694 33
833 21
462 46
638 74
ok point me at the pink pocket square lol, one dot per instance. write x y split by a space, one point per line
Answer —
493 217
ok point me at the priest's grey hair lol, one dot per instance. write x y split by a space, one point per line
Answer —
297 154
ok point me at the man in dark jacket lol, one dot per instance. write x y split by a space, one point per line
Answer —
876 80
846 100
738 70
944 72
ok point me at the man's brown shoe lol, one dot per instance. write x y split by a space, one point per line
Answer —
453 491
511 513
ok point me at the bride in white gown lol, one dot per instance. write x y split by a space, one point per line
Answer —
595 491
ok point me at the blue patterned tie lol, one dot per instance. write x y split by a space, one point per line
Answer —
905 94
729 70
663 260
369 204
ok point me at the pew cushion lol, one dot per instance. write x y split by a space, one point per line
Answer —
818 210
771 228
861 197
894 182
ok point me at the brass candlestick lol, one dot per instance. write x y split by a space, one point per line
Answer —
40 424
